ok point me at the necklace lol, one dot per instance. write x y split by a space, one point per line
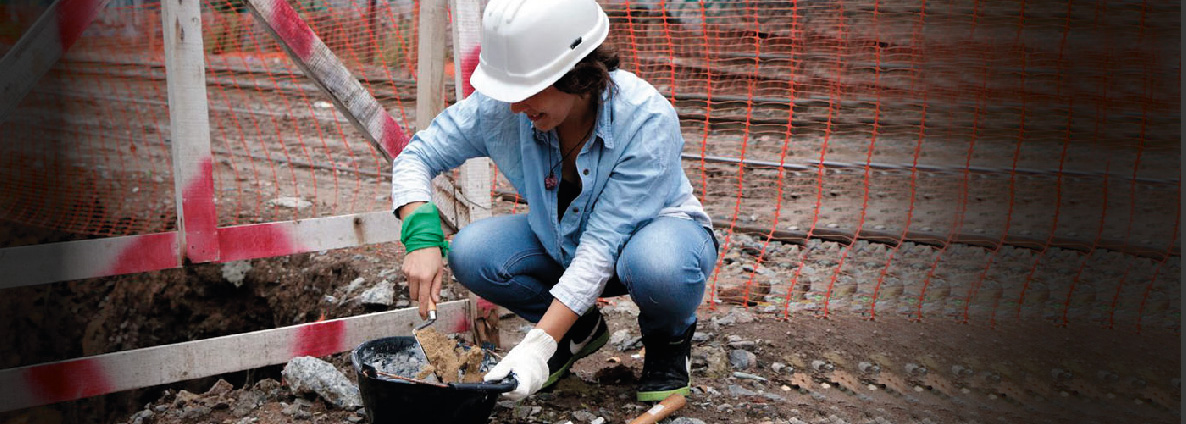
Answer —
550 182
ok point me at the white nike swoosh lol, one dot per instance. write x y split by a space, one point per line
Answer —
575 347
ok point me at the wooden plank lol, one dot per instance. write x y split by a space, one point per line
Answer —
189 122
307 235
328 72
113 372
430 100
475 174
73 260
40 47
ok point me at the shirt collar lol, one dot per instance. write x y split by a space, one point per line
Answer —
602 129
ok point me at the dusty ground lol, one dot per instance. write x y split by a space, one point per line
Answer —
844 368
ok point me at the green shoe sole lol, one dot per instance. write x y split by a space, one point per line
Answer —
659 395
585 351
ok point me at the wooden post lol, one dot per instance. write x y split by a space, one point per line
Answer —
475 174
189 122
430 100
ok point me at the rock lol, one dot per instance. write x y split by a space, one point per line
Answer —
402 303
307 374
355 284
717 365
687 420
234 272
701 337
383 294
140 417
738 391
184 398
219 388
623 341
820 365
598 420
583 416
625 306
868 367
298 409
522 412
194 413
743 344
354 419
747 376
270 388
247 402
777 367
742 359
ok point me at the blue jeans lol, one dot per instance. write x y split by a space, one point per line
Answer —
663 267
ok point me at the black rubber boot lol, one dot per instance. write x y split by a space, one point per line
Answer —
586 336
667 366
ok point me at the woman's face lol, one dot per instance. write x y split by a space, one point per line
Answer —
547 109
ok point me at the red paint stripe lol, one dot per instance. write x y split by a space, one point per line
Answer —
73 18
149 252
468 64
460 325
63 381
256 241
201 219
394 140
292 29
320 339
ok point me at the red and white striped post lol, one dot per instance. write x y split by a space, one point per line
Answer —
189 122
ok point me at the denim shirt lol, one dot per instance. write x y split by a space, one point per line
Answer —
630 174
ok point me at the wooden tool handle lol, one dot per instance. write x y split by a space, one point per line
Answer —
662 409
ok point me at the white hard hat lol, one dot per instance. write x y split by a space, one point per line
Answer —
529 44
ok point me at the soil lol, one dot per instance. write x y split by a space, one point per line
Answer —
843 368
447 361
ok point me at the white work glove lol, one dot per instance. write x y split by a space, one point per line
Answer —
529 362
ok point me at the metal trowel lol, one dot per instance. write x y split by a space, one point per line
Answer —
432 317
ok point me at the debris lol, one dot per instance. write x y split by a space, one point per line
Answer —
234 272
383 294
777 367
742 359
623 341
738 391
748 376
307 374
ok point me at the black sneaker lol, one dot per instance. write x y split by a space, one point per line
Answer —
587 335
667 367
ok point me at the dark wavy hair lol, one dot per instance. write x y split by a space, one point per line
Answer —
591 74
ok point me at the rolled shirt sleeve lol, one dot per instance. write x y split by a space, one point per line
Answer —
454 136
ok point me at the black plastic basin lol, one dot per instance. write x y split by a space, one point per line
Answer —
397 401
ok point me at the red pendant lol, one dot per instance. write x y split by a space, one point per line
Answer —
550 182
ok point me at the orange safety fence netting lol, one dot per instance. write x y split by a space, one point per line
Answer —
980 160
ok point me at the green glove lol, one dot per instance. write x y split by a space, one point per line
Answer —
422 228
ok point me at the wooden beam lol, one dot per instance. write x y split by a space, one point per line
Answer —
328 72
75 260
40 48
113 372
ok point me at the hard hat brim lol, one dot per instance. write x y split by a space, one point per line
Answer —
505 91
